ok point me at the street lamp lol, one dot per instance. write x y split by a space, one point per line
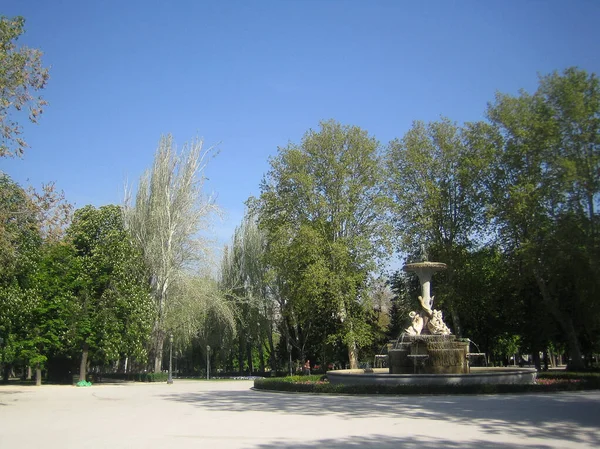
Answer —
289 348
207 362
170 379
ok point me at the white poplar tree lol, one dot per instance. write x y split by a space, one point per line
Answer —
170 212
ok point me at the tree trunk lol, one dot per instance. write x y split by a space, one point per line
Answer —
576 362
28 372
535 356
38 375
566 323
272 358
241 355
83 364
261 356
158 351
353 355
249 357
6 373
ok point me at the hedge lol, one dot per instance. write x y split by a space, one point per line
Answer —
138 377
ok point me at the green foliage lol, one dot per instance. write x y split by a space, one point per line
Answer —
246 280
21 75
139 377
321 208
114 312
544 193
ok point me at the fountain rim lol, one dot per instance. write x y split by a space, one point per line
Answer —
418 266
477 375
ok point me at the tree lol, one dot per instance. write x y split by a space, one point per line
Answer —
246 280
21 75
436 195
31 225
114 311
198 312
321 207
544 193
20 243
165 222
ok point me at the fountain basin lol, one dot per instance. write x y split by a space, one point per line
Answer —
476 376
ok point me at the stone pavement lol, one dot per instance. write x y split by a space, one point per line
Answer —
228 414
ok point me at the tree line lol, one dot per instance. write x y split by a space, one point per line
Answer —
509 203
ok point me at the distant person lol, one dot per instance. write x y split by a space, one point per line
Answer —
306 368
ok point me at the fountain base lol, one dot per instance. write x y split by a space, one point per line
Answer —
477 376
429 354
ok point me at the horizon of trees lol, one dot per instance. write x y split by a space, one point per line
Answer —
509 203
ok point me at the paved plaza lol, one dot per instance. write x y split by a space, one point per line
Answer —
228 414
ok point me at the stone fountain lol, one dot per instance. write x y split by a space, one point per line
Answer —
426 353
427 346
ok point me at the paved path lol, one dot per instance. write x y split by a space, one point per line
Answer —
227 414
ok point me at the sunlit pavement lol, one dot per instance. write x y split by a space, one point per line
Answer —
228 414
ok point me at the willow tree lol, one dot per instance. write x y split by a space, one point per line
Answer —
245 279
321 208
170 212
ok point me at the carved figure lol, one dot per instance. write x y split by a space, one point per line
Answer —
424 256
426 305
417 324
436 324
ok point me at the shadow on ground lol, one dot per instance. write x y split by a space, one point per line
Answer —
7 397
572 417
386 442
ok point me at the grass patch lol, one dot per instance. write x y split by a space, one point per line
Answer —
548 382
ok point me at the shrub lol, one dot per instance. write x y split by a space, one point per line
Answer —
139 377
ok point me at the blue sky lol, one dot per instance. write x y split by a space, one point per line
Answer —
249 76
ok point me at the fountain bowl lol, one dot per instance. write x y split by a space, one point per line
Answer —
476 376
424 266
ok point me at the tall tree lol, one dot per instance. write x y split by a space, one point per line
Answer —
21 76
436 196
114 312
20 244
321 208
245 278
544 190
169 213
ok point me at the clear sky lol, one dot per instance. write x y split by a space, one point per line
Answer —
249 76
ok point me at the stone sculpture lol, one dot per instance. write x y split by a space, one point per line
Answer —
436 324
417 324
428 319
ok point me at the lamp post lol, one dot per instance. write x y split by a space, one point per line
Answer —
207 362
289 348
170 379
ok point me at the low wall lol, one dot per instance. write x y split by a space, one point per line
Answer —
381 376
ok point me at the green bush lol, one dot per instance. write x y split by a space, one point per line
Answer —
139 377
